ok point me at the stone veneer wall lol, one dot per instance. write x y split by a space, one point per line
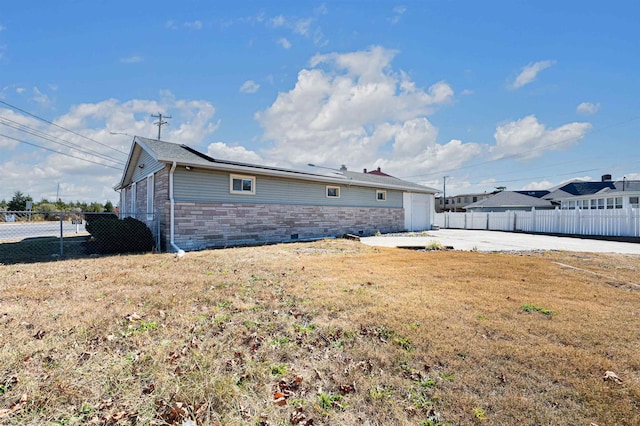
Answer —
200 225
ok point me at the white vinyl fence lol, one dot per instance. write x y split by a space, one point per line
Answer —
608 222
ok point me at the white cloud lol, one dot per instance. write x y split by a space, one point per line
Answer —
305 27
467 92
530 72
192 25
354 109
234 153
302 26
191 124
587 108
527 138
40 98
278 21
195 25
249 86
321 10
398 11
20 90
537 186
131 59
284 43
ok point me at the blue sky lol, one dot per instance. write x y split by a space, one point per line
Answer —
522 94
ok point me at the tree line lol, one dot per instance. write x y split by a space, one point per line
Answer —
19 203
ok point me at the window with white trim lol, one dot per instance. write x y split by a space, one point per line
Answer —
634 202
240 184
381 195
150 197
618 202
333 192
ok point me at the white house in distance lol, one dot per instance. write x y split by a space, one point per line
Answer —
606 194
206 202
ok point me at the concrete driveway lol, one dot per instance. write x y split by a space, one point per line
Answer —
461 239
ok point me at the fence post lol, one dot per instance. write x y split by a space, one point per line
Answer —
61 237
533 220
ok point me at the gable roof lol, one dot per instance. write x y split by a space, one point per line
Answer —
510 199
168 152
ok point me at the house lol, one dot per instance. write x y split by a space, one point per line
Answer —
207 202
512 200
585 195
458 202
598 195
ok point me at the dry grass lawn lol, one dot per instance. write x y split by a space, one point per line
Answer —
324 333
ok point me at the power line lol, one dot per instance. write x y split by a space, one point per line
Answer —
57 152
60 127
38 133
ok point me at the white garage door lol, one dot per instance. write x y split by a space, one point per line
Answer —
417 211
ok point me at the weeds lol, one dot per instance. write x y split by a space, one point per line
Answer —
327 401
434 246
529 307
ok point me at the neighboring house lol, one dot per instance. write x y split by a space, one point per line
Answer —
206 202
512 200
457 203
605 194
585 195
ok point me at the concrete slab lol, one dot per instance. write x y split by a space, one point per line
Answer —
489 241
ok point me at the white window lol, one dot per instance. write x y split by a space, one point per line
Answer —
239 184
609 203
150 197
333 192
618 202
594 204
381 195
634 202
600 203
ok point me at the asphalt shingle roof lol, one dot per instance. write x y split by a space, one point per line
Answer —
512 199
169 152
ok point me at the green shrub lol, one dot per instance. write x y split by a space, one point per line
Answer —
113 235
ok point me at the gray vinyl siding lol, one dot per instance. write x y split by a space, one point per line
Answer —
198 185
150 166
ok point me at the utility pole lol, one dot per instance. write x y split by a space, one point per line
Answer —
160 122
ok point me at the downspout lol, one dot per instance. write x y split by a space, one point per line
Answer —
172 218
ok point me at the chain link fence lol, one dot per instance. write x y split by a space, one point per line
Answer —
32 236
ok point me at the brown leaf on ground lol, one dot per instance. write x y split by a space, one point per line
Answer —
6 412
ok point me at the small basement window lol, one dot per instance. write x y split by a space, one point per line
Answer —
381 195
333 192
242 185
